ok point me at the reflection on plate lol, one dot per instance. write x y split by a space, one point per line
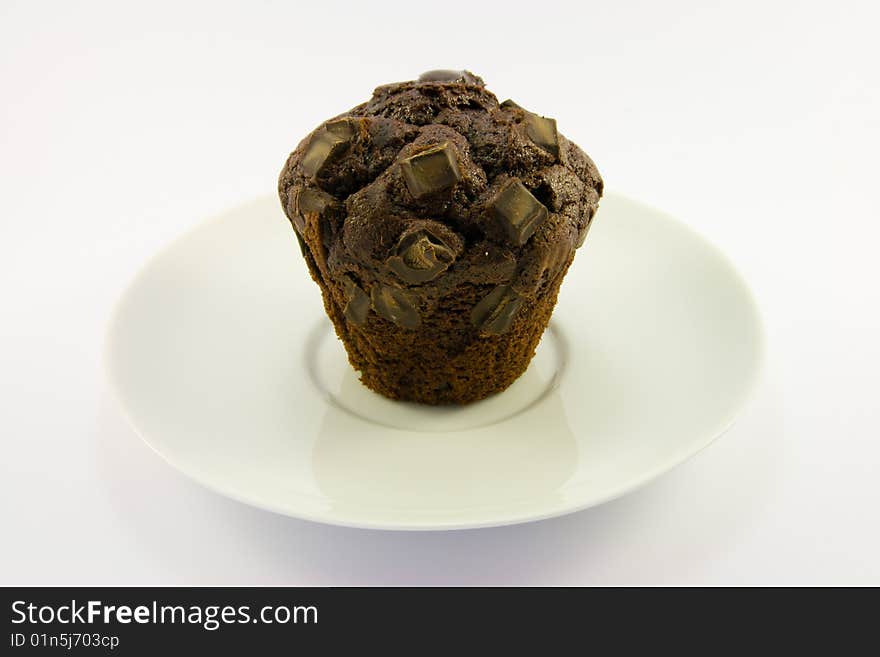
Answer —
225 364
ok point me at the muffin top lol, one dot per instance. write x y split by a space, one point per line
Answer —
433 184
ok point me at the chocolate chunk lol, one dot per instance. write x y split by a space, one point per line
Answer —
518 211
583 236
420 257
357 304
311 201
292 208
343 128
395 305
432 170
542 131
327 144
495 313
314 200
442 75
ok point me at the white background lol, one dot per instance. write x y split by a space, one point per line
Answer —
757 123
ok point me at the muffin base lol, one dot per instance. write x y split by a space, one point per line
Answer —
445 360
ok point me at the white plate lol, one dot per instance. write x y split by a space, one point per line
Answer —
222 357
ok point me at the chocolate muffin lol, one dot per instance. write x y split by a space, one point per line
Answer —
439 225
